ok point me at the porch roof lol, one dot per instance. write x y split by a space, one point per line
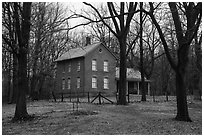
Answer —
132 75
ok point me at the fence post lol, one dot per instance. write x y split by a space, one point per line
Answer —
128 97
116 97
99 97
88 98
62 97
77 96
70 96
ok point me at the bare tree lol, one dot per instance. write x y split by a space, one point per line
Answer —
141 56
22 26
49 38
186 27
8 44
16 29
121 21
98 31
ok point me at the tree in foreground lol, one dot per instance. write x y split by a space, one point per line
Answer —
141 56
22 26
187 19
16 32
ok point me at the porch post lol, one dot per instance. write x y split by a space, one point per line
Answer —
126 87
138 88
148 84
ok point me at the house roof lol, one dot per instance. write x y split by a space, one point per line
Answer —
132 74
81 52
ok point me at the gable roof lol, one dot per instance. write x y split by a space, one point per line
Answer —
132 74
81 52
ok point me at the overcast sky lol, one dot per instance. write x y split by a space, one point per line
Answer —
77 6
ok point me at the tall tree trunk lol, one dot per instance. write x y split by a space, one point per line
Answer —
23 33
21 109
141 58
123 67
182 108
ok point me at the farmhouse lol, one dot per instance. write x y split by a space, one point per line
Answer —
87 69
93 69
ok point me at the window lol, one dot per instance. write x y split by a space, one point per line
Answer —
100 50
63 84
78 66
94 65
105 66
78 82
69 67
94 82
105 83
69 83
63 68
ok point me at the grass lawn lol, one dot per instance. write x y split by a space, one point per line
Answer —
137 118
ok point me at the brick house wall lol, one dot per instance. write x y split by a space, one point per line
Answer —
100 54
63 73
100 57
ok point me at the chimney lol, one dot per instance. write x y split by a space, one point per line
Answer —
88 40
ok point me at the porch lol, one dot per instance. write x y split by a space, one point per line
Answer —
134 87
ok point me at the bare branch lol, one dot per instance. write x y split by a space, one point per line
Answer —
102 19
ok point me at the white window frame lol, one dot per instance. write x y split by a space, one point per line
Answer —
78 66
106 83
105 66
94 65
63 84
94 82
69 67
69 83
78 82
